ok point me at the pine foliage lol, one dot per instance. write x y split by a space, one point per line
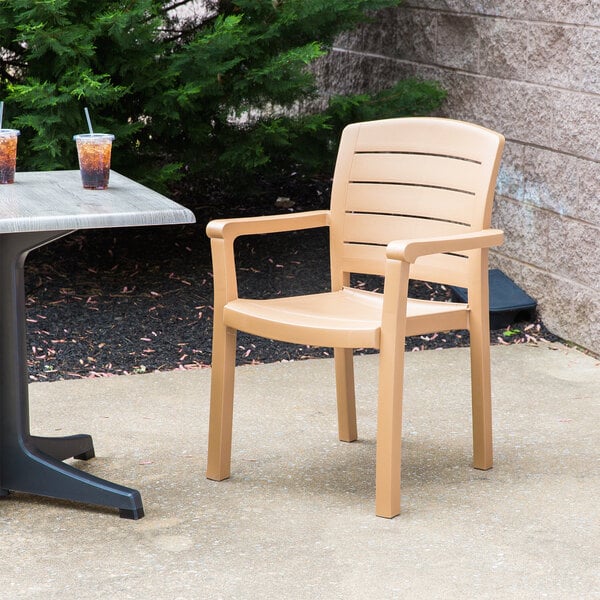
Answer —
212 94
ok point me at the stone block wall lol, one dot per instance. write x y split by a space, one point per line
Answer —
531 70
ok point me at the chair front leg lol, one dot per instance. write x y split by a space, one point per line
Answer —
389 433
391 384
346 402
221 402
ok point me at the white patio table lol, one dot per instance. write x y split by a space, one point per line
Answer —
37 209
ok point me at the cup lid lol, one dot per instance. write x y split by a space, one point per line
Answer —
93 136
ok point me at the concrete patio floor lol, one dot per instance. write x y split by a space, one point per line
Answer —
296 520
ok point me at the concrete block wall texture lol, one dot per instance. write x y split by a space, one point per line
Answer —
531 70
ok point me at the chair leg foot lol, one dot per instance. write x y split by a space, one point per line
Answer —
387 514
216 476
387 495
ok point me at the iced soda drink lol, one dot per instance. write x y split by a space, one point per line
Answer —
93 150
8 154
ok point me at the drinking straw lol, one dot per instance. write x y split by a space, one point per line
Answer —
1 112
89 121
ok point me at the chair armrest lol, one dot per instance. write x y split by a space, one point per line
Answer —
232 228
410 250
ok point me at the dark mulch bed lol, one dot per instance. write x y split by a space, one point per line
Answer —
135 300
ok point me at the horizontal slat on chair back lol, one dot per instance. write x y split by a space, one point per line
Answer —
441 268
426 135
416 169
410 200
382 229
406 179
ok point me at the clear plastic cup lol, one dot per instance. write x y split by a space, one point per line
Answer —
93 150
8 154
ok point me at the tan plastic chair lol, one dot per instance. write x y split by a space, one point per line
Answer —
411 198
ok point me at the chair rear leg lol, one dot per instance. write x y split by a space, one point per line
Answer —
481 398
221 403
346 402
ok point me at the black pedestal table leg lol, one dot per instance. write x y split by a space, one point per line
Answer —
78 446
31 463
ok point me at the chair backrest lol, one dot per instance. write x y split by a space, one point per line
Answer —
407 178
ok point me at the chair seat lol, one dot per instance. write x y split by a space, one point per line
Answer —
349 318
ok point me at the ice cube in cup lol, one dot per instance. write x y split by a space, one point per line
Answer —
93 151
8 154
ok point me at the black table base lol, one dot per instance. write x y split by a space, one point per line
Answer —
28 463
